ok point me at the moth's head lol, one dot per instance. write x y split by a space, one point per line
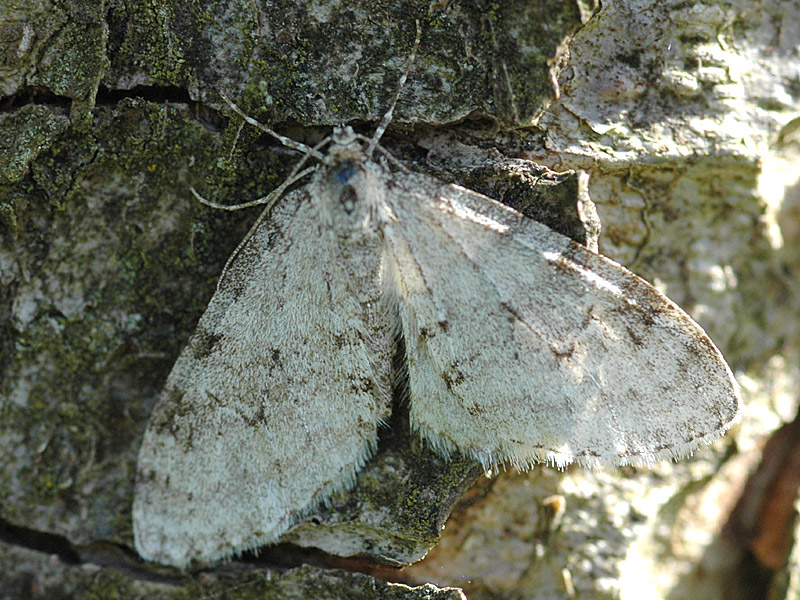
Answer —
345 146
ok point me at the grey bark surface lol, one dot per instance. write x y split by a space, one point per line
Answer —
682 114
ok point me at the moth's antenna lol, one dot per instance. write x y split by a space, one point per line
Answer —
288 142
387 118
269 200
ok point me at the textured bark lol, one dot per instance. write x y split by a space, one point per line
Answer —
680 112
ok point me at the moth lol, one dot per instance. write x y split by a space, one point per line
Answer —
521 347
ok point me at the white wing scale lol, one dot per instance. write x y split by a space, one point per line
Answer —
524 346
273 405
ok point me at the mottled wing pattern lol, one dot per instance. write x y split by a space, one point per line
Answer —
273 404
524 346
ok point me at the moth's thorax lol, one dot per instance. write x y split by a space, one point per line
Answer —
351 191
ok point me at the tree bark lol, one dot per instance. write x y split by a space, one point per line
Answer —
681 114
